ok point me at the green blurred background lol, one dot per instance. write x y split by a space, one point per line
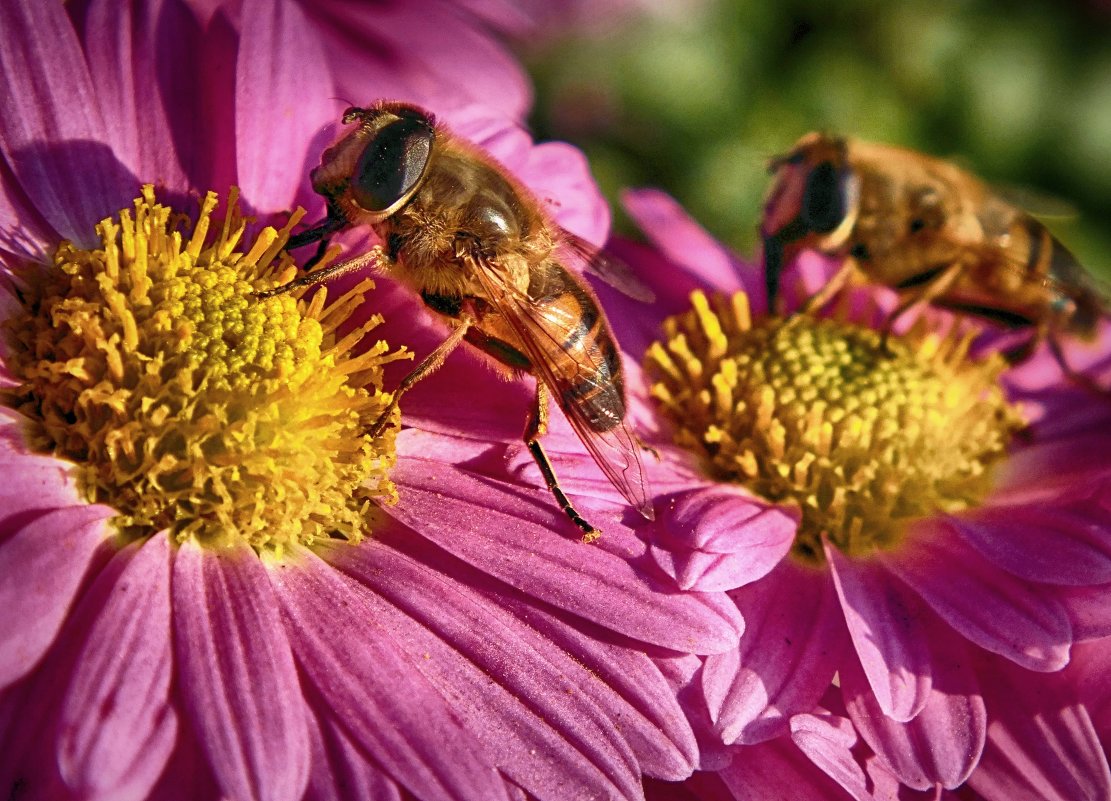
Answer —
695 97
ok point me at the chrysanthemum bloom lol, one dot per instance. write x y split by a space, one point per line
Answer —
207 592
953 514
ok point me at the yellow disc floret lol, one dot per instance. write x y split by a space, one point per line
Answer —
816 412
190 405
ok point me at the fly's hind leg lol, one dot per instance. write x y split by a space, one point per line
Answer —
1073 375
430 364
534 429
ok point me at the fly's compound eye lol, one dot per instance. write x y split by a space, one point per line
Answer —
823 203
393 164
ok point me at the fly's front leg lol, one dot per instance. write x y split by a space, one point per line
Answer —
929 292
429 365
375 257
535 428
835 284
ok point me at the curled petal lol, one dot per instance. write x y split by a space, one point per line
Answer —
720 538
1052 544
885 621
943 743
793 642
1001 613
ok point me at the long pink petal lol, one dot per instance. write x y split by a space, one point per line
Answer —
283 100
884 619
117 727
1045 470
828 741
560 176
377 693
32 482
1040 743
944 742
686 243
1003 614
340 771
794 640
44 558
632 687
517 537
778 770
238 680
51 131
127 62
1067 543
562 720
1088 610
720 538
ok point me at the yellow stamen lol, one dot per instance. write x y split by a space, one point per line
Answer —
812 411
190 405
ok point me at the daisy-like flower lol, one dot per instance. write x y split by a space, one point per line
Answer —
948 532
207 591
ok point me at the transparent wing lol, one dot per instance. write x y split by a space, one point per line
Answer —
578 253
542 330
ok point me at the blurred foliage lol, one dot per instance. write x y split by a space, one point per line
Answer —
695 98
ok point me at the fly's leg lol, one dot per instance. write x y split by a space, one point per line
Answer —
534 429
429 365
834 285
375 257
929 292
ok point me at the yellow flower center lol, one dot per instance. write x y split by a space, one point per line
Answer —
813 411
190 405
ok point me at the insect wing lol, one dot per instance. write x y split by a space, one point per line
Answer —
542 330
577 252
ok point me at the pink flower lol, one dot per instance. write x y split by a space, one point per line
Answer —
219 646
942 637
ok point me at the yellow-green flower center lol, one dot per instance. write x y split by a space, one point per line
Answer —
813 411
190 405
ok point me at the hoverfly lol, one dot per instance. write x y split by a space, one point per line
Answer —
930 230
481 251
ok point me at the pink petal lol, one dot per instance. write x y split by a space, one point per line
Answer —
238 680
793 642
117 727
45 557
828 740
275 117
75 180
720 537
560 176
885 622
510 534
778 770
430 54
27 234
943 743
1040 744
998 612
32 482
125 56
379 695
340 771
1088 610
1048 469
188 775
560 709
1069 543
682 240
